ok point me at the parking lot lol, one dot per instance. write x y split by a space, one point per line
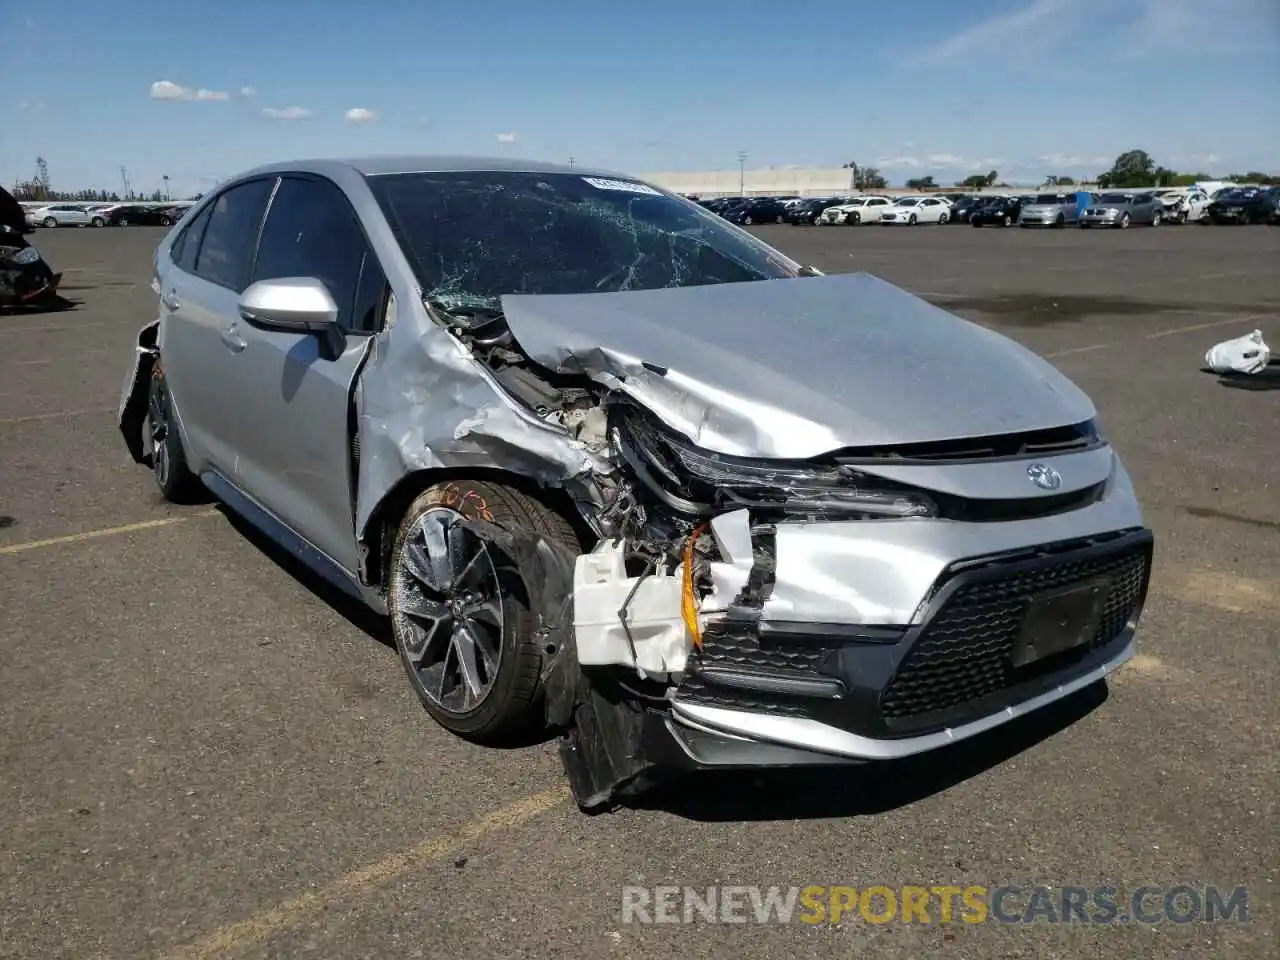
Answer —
206 754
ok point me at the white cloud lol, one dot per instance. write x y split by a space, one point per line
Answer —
248 92
506 138
996 34
286 113
946 160
1066 160
168 90
360 115
897 163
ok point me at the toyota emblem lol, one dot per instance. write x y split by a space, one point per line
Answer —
1044 476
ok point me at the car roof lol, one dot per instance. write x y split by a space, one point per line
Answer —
428 163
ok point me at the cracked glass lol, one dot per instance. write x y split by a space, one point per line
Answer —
472 237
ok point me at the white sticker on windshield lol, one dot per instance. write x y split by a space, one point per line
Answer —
625 186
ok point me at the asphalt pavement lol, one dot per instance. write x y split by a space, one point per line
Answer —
206 754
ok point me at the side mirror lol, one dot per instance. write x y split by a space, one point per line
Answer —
298 305
290 303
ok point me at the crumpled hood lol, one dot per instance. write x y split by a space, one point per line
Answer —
795 368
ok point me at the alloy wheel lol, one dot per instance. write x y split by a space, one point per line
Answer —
158 422
450 607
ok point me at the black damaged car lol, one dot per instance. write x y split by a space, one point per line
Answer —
1000 212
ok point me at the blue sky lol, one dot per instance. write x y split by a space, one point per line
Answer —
1030 87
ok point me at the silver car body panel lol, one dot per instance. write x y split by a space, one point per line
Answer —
794 368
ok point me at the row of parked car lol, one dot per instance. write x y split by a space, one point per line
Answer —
104 214
1116 208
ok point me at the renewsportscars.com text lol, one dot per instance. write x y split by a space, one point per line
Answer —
942 904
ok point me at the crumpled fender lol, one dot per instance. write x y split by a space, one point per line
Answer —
132 412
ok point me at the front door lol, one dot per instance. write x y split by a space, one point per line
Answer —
291 394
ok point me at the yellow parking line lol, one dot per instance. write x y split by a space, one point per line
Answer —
1248 318
32 418
293 913
95 534
1213 588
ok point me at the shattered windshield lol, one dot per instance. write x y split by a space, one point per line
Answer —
473 236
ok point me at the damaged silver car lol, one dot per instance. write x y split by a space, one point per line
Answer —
616 468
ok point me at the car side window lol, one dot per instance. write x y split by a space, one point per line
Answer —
226 253
187 245
312 231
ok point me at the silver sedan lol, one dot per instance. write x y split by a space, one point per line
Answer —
615 467
1120 210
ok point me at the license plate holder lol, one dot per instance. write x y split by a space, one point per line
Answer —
1060 620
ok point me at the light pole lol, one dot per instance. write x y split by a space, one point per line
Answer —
167 195
742 173
572 162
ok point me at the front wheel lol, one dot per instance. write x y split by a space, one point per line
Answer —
1060 222
1007 221
1155 220
747 221
460 608
165 222
942 218
99 222
49 222
853 219
911 220
1124 221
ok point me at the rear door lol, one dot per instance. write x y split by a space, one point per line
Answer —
199 302
291 394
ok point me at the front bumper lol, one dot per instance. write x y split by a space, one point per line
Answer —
891 694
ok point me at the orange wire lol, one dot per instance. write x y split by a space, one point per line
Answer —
688 608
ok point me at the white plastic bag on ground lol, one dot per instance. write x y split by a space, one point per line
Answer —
1247 354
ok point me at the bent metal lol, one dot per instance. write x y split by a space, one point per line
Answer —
617 469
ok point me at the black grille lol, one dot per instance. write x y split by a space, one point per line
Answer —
736 646
963 653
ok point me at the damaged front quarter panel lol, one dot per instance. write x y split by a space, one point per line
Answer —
131 414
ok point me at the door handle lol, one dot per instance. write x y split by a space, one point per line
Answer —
232 340
170 300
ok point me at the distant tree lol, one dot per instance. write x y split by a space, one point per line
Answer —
1133 168
977 181
921 183
1066 181
1254 176
992 177
864 178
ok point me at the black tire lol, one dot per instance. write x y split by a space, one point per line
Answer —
976 222
512 699
168 460
49 222
747 221
1124 221
99 222
122 222
1060 222
912 220
1007 221
165 222
853 219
